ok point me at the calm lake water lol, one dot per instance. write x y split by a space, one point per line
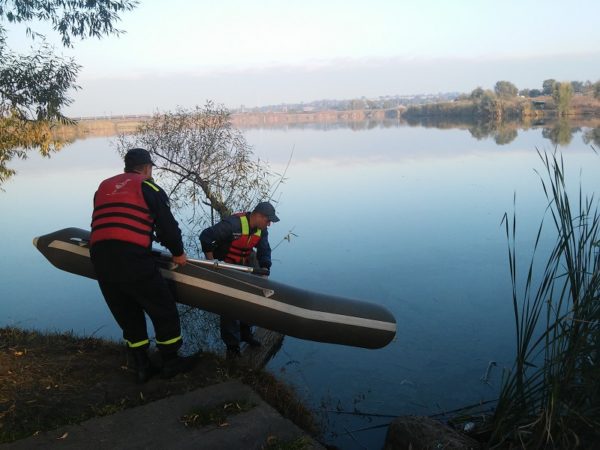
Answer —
407 217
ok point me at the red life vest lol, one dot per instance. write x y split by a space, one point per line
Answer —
120 211
241 247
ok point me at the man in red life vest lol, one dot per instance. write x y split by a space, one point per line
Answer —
232 240
130 210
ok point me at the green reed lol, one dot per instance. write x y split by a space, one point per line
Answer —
551 397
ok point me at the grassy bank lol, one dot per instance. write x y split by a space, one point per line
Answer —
48 380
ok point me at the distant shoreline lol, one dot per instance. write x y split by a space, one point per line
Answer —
117 124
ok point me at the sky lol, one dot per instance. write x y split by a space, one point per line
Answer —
182 53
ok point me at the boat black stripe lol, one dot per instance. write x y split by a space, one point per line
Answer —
127 216
121 225
122 205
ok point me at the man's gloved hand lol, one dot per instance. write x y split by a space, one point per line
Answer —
263 272
180 260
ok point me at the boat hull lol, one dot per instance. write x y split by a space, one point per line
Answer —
276 306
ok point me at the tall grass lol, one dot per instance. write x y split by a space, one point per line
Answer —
551 397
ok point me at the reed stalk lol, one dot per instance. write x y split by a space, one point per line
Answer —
551 396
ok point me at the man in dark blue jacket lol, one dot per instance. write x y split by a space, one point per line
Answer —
233 240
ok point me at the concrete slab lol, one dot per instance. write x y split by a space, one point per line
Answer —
158 425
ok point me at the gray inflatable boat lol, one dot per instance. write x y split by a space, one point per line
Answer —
228 290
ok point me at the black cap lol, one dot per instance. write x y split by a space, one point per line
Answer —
137 157
268 210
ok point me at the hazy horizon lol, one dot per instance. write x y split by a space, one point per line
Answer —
371 79
235 53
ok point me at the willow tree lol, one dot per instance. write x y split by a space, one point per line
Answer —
203 162
35 87
32 90
489 106
562 95
592 137
505 89
206 166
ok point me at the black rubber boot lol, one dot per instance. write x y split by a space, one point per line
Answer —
174 364
233 352
252 341
144 370
247 335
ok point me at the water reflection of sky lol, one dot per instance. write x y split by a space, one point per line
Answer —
49 194
406 217
344 145
411 217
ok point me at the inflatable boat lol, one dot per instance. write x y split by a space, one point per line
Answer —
229 290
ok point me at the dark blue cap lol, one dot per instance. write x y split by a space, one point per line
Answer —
266 209
137 157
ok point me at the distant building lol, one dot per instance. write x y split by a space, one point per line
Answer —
538 104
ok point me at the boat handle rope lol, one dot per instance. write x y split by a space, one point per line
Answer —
266 292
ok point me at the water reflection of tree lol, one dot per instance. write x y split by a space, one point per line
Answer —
443 123
482 130
592 137
505 135
506 131
561 133
502 133
354 125
18 137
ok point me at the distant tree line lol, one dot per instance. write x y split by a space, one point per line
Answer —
506 101
362 103
549 87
